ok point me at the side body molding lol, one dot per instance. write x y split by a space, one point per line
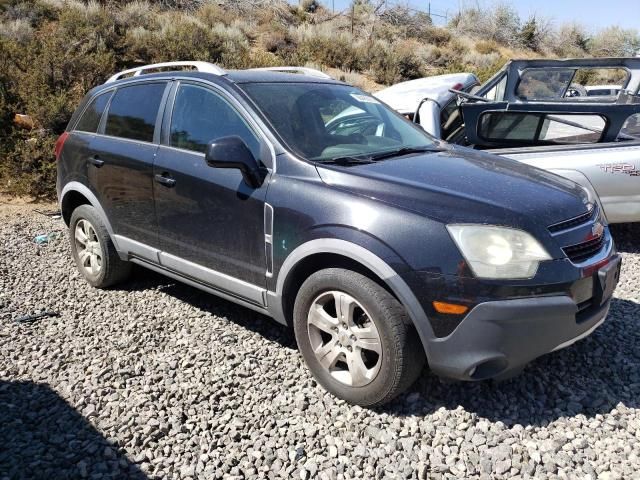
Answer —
93 200
366 258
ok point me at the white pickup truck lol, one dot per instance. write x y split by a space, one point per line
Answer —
534 111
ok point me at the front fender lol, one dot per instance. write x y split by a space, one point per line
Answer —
366 258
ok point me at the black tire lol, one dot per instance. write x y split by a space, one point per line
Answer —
113 269
403 356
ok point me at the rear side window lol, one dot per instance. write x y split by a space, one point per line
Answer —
631 128
91 117
200 116
541 128
133 111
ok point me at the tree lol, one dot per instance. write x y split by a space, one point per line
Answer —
529 34
615 42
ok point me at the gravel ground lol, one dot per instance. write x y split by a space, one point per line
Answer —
155 379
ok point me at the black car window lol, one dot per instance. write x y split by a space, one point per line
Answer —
133 111
200 116
91 117
541 128
631 128
304 115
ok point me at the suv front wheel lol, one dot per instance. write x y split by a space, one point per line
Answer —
95 255
355 337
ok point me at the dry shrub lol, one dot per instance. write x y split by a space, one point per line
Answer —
18 30
29 168
487 47
136 14
394 63
212 13
327 46
179 37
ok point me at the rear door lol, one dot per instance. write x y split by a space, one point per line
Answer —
77 152
121 161
210 222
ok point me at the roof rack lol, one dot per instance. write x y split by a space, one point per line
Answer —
199 66
312 72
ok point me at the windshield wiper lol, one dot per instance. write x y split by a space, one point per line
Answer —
348 160
405 151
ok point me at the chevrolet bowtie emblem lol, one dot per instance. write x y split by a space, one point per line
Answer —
597 229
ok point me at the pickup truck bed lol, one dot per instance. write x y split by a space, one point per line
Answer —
613 167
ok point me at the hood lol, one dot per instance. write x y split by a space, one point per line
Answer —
461 185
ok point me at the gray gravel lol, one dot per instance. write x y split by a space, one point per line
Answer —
155 379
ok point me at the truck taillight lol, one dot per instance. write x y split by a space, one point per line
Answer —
59 144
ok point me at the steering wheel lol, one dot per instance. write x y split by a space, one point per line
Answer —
351 138
469 96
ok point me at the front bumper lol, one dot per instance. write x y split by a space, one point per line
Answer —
498 338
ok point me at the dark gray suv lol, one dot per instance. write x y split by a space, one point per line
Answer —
380 245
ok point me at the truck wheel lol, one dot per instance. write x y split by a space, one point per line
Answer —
355 337
93 251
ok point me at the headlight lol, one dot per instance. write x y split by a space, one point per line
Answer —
498 252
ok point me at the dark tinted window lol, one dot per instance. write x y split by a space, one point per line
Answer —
541 128
200 116
544 83
133 111
631 128
303 115
91 116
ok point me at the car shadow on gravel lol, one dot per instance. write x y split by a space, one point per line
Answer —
145 279
42 436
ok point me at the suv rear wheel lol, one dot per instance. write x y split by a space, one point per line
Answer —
355 337
93 251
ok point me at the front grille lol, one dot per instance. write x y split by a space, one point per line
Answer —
582 251
575 221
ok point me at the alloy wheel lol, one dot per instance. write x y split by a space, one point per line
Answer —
88 247
344 338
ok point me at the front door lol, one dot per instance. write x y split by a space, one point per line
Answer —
210 222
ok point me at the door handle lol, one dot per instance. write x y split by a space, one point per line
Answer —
95 161
164 179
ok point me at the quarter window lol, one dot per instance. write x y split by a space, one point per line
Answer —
200 116
133 111
91 117
631 128
541 128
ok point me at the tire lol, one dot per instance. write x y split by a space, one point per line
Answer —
576 90
349 362
96 258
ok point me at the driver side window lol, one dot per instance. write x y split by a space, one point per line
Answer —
200 116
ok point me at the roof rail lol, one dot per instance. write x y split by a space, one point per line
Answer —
199 66
312 72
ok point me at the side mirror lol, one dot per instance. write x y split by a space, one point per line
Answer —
232 152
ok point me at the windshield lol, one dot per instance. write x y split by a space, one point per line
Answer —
322 121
